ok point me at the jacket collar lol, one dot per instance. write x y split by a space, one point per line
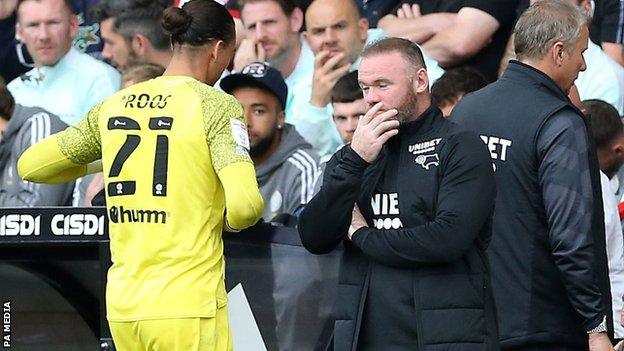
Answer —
517 70
424 123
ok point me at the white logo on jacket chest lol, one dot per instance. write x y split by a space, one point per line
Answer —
425 153
427 161
386 210
424 147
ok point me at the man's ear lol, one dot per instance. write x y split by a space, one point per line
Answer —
296 20
217 50
363 29
73 25
140 44
618 148
281 117
558 53
18 32
421 81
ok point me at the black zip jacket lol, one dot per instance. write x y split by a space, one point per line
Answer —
417 278
548 257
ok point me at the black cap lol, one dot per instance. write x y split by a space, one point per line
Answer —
259 75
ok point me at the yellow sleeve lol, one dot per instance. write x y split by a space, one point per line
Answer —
243 202
224 125
227 139
45 163
66 155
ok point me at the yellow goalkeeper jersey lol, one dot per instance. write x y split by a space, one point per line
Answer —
169 147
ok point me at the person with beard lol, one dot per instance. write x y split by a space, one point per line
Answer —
337 34
608 136
286 166
272 35
131 32
411 198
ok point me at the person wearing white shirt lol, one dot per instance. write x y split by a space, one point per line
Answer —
603 78
64 81
272 35
337 34
608 135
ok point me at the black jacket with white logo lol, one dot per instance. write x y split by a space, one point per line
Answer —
418 278
548 258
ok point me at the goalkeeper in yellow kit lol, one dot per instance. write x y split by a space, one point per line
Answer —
175 159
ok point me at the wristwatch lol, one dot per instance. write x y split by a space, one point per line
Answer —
601 328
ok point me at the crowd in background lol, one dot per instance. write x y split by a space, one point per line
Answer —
294 73
65 68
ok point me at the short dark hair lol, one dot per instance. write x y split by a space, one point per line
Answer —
288 6
409 50
606 124
454 83
347 89
135 16
199 22
7 103
68 4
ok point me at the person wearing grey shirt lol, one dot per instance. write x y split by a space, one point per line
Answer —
21 127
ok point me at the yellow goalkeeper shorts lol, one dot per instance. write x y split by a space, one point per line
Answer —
176 334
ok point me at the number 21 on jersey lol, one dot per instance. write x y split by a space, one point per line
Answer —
120 187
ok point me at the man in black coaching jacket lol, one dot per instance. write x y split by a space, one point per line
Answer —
412 199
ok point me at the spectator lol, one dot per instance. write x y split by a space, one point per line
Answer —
374 10
607 28
14 57
603 78
448 30
453 85
414 274
132 33
286 167
348 105
64 81
548 259
336 34
21 127
608 136
273 36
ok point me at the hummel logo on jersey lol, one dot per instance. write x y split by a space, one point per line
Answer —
160 123
119 123
121 215
426 161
